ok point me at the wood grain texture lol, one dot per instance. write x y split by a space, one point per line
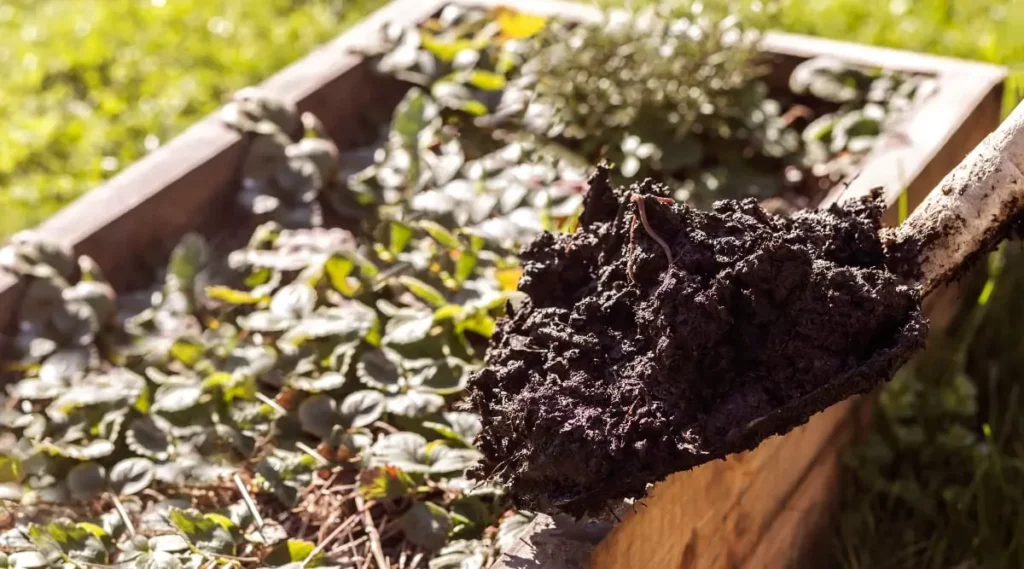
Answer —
730 513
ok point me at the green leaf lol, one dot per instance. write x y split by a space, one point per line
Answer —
404 450
231 386
158 560
487 80
207 532
399 237
444 377
440 234
447 311
36 390
408 326
131 476
462 554
175 398
388 482
187 259
362 408
512 528
28 560
351 321
444 50
379 369
292 551
294 301
64 366
231 296
413 114
479 323
82 542
458 427
423 291
265 321
414 404
445 460
170 543
517 25
86 480
91 450
327 381
426 524
473 514
188 352
11 470
318 415
144 437
338 270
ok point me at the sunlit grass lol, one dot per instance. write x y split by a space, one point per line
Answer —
91 85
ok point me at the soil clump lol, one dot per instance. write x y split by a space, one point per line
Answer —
658 337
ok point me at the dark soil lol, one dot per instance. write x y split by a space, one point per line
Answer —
622 368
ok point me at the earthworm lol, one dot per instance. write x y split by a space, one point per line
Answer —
639 201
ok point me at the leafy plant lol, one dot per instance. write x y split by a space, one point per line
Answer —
672 91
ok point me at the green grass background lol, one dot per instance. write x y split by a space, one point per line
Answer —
91 85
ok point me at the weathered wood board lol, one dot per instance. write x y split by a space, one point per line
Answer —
740 512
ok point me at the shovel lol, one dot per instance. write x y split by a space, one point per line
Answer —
967 215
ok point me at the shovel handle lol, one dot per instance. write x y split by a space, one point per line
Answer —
968 213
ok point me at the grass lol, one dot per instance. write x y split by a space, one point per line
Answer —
92 85
938 481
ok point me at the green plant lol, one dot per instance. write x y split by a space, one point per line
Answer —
673 91
93 86
936 482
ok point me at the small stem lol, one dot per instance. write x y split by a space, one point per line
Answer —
347 524
250 504
371 531
123 513
271 403
312 452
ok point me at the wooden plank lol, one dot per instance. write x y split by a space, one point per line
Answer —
714 515
796 531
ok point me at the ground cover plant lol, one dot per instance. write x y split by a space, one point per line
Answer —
293 399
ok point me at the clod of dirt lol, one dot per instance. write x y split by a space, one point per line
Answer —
659 337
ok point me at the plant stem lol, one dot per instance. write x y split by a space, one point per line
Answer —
123 513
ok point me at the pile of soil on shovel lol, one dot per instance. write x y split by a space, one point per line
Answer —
621 369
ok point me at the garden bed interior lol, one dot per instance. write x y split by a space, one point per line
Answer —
751 510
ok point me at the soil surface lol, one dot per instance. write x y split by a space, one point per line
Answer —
658 337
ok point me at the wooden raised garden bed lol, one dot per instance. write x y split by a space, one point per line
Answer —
753 510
